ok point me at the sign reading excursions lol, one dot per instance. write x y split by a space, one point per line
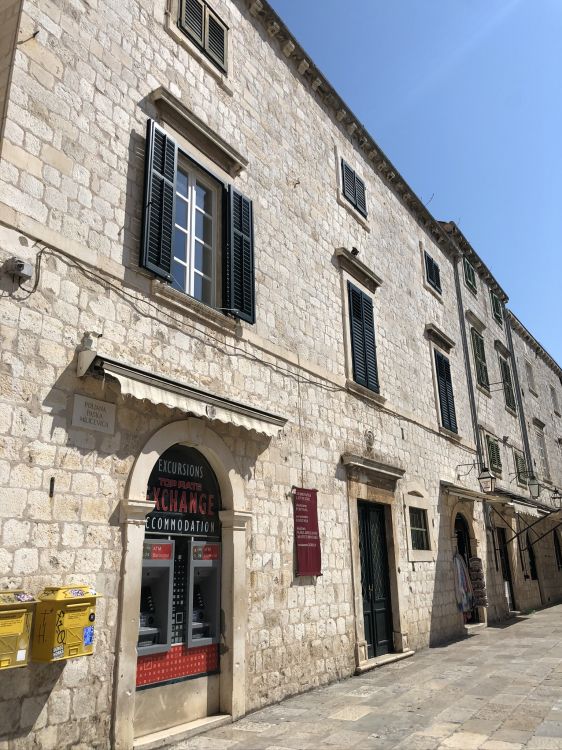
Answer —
185 493
307 537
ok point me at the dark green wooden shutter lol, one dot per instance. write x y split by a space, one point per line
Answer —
507 384
192 19
497 308
360 199
216 39
557 550
362 331
480 360
445 388
348 182
239 286
158 206
494 454
521 468
432 273
470 275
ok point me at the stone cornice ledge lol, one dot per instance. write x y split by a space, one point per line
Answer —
134 510
192 127
354 463
439 337
356 268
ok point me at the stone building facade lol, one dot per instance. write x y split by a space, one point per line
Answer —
247 346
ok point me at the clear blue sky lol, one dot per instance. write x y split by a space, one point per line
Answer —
465 98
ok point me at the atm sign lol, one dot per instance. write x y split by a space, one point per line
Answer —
207 552
161 552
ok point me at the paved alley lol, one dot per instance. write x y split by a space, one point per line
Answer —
500 689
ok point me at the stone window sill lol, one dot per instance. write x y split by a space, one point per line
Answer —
450 434
353 211
532 390
511 411
360 390
432 290
203 313
483 390
421 555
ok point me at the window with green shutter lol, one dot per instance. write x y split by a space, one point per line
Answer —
362 333
445 390
508 391
521 468
206 29
432 273
470 276
197 232
497 309
353 188
480 359
494 455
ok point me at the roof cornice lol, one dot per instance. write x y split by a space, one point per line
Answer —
348 124
527 336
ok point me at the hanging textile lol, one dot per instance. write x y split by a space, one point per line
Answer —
463 586
476 572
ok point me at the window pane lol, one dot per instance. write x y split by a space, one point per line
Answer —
418 529
181 183
202 289
181 213
203 227
178 275
180 242
203 198
203 259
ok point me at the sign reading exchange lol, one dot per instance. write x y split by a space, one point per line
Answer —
185 494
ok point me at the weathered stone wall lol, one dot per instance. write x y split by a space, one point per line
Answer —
9 18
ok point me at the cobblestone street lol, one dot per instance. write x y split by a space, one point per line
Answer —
500 689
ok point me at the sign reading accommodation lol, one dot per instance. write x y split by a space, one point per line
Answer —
307 537
92 414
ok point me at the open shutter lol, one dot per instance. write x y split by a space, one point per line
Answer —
521 468
215 43
363 347
158 205
445 388
192 19
348 182
494 454
360 199
239 296
432 272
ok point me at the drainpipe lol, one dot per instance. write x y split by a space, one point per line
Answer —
522 422
467 369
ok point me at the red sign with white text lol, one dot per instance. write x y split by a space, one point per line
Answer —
307 536
161 552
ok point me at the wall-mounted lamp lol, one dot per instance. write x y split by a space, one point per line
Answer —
487 480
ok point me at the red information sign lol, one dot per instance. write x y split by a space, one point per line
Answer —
307 537
161 552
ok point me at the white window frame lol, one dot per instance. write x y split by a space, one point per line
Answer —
195 175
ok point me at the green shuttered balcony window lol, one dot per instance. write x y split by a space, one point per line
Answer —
353 188
362 333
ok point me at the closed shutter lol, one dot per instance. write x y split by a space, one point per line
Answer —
362 330
470 276
432 272
158 206
507 384
193 18
239 286
216 39
361 202
497 308
445 388
521 468
480 360
494 454
348 182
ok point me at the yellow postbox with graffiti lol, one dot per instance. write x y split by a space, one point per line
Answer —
16 615
64 623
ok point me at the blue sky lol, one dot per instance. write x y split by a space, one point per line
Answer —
465 98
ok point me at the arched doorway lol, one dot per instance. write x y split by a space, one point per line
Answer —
464 548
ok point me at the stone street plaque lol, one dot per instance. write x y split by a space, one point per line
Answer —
92 414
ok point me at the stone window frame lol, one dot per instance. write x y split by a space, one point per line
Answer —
431 289
171 25
440 342
542 452
340 197
415 496
554 399
530 374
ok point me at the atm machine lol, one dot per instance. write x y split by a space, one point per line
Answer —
203 601
155 623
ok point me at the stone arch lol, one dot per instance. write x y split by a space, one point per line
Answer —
234 518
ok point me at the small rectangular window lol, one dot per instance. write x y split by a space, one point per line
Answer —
470 275
206 29
543 456
554 397
418 528
480 359
494 455
530 377
445 390
362 332
353 188
508 390
432 273
497 309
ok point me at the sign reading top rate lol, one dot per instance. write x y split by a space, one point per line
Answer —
185 494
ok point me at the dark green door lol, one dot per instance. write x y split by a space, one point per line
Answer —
375 582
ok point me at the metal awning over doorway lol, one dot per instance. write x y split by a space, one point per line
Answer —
142 384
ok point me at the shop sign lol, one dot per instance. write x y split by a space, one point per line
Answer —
307 536
184 491
92 414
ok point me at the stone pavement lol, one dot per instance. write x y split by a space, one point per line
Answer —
500 689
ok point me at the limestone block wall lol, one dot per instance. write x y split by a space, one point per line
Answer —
9 20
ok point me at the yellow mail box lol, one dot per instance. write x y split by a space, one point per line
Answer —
16 615
64 623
